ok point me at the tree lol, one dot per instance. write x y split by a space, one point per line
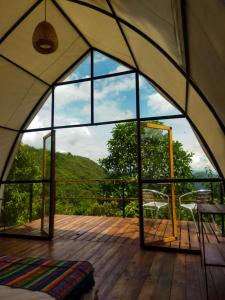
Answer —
26 166
122 148
122 159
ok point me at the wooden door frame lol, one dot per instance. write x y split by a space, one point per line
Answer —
52 184
172 187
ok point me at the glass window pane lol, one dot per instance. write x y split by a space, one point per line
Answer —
81 180
43 117
86 141
152 103
27 164
115 98
154 152
73 104
199 162
82 70
189 158
26 218
104 65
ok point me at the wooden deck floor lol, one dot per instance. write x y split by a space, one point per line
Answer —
187 234
122 269
102 228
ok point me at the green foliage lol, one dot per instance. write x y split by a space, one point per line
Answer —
106 209
122 159
27 165
122 148
132 209
72 167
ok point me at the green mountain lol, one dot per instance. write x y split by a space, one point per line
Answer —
70 166
77 190
75 175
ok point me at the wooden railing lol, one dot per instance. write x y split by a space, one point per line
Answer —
122 183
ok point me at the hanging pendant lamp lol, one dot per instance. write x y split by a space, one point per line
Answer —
44 38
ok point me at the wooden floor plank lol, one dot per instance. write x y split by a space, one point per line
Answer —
114 270
158 231
218 278
150 229
184 238
97 232
150 282
163 286
194 273
179 286
176 244
194 241
111 231
130 282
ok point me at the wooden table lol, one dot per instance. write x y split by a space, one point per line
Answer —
211 209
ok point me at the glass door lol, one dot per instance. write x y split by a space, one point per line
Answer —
48 185
157 198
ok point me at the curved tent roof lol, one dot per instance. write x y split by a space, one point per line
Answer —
178 45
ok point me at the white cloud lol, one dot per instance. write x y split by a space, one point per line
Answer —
70 93
120 68
34 139
183 133
143 83
37 122
85 141
113 86
160 105
200 161
111 102
89 142
43 117
108 111
98 57
75 76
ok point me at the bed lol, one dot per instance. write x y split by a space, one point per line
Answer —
42 279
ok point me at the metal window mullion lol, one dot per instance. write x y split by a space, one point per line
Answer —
139 162
92 86
53 108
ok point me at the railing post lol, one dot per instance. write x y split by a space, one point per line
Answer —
212 189
123 198
31 202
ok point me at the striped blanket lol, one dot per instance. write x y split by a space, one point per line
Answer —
61 279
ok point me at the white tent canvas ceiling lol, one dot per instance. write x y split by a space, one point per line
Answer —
178 45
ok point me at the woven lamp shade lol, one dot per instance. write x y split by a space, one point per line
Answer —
44 38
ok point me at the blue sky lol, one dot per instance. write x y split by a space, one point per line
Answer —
114 100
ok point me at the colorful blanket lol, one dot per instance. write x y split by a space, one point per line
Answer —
64 280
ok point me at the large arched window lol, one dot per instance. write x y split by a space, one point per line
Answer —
99 113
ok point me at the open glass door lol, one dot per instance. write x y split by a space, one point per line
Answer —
32 190
48 185
157 198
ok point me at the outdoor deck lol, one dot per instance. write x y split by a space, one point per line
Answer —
122 269
101 228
